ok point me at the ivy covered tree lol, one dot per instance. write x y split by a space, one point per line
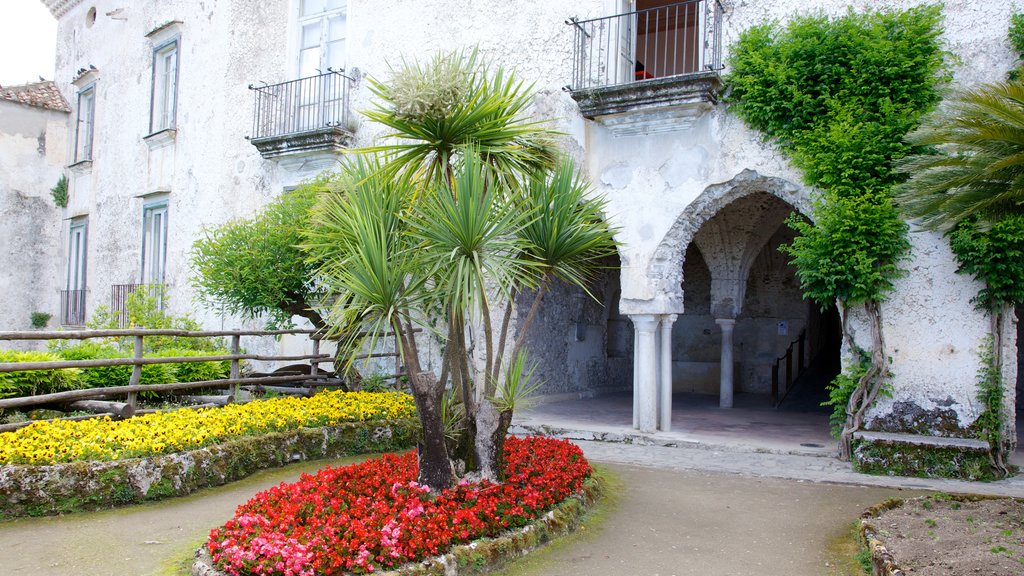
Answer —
837 96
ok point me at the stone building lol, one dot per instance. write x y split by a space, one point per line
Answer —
33 128
188 113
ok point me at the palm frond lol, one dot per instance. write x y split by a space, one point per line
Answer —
974 164
569 236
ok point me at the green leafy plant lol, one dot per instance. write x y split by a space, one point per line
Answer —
196 371
253 267
838 95
34 382
518 388
59 192
39 319
145 308
376 382
1016 35
104 376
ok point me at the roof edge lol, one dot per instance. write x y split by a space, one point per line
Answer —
60 7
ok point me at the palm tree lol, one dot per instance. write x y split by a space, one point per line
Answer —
974 165
470 211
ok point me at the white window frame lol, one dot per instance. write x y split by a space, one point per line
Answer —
323 18
78 246
85 125
154 241
164 95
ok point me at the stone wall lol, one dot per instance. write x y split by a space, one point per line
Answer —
32 144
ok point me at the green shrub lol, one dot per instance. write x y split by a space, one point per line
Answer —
39 319
196 371
34 382
59 192
103 376
144 309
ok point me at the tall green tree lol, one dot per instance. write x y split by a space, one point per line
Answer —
254 267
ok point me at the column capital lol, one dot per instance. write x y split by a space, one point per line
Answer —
668 319
644 322
723 322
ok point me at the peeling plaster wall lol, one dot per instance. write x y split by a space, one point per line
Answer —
32 144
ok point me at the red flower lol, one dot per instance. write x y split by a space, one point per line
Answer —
374 515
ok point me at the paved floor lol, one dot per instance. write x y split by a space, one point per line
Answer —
752 425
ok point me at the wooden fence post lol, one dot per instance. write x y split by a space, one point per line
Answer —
235 351
136 378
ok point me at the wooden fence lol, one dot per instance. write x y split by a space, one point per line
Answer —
100 401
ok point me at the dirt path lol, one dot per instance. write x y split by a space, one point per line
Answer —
660 523
145 540
679 523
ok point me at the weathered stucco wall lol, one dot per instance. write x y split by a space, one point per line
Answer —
661 188
32 144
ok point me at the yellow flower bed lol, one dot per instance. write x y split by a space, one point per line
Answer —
180 430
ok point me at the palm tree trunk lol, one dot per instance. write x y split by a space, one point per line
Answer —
435 468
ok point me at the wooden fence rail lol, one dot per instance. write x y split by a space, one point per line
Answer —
98 399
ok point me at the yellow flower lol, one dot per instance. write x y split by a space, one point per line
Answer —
185 429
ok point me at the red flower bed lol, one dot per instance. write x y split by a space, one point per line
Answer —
374 515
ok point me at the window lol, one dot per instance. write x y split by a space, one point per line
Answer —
165 87
86 120
154 242
73 299
321 36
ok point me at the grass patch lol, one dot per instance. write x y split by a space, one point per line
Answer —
845 555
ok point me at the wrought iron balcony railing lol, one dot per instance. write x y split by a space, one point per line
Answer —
72 307
668 41
299 107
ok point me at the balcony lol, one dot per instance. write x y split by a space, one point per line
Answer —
653 70
302 117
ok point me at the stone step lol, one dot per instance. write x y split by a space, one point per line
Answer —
967 444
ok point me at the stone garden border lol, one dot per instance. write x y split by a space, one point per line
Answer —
484 554
32 490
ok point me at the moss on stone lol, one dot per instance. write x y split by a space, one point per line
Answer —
920 461
64 488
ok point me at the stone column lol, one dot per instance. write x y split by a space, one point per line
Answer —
645 360
665 374
636 378
725 381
